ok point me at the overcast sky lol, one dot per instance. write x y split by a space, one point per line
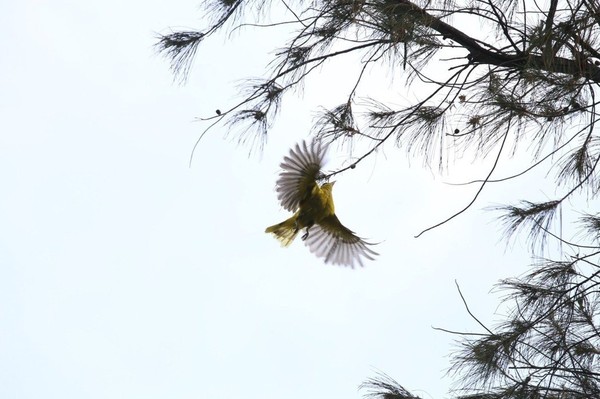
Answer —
125 273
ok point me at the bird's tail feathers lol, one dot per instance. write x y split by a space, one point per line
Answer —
285 231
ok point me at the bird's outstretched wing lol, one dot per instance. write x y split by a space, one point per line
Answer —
301 169
331 240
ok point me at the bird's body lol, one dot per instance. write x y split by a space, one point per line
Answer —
299 191
318 205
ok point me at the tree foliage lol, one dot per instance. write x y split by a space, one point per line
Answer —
526 76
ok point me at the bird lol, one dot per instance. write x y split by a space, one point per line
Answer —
299 191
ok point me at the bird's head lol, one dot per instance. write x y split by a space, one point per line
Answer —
328 186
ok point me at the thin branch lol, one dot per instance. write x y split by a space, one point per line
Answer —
476 194
469 310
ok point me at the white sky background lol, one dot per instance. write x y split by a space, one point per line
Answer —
126 274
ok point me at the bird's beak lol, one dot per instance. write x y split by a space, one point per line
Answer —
332 183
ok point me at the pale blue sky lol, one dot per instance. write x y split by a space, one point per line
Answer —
124 273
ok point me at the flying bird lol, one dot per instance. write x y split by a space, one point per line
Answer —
299 191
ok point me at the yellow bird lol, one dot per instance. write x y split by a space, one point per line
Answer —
299 191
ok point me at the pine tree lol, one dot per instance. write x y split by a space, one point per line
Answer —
528 78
